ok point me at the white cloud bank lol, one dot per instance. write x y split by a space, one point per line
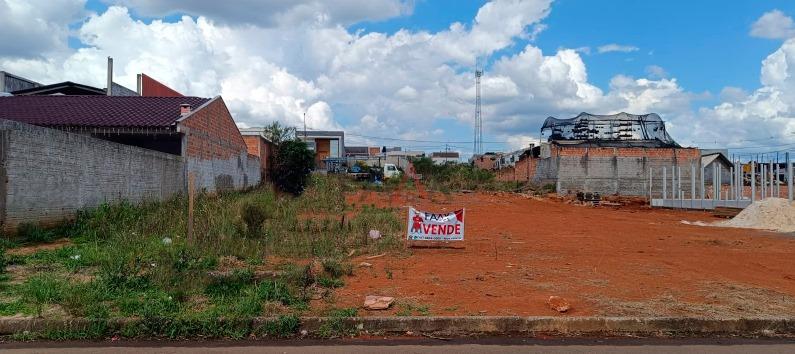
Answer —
773 25
280 65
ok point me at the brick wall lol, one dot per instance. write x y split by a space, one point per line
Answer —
215 151
50 174
262 149
609 170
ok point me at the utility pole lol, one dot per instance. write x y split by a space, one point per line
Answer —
304 126
478 140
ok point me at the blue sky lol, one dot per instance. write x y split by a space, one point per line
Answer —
704 44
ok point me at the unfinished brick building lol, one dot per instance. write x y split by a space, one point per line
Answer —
605 154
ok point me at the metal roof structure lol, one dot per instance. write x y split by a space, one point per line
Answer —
617 130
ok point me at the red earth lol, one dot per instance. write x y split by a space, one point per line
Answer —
613 261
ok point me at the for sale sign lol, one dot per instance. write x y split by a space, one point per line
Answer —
425 226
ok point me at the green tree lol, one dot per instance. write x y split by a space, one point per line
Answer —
277 133
292 164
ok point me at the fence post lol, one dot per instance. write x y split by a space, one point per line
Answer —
665 185
753 181
789 179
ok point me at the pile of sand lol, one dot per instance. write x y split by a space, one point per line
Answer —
775 214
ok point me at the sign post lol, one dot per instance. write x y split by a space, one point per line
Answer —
426 229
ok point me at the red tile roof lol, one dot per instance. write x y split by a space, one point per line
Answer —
95 111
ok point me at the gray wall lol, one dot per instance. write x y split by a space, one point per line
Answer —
50 174
623 175
217 175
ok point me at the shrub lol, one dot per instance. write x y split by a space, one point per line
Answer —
253 216
292 164
30 232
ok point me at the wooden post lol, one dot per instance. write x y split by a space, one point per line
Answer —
191 195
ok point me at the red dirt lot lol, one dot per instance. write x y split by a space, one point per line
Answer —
607 261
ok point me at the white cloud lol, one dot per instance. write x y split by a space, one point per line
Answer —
656 72
773 25
33 28
613 47
276 13
403 85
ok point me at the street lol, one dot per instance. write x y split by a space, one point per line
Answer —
414 345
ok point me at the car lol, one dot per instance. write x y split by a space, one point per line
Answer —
390 171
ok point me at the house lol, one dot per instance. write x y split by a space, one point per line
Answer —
199 130
487 161
443 157
10 82
149 87
325 144
712 159
61 88
259 145
360 151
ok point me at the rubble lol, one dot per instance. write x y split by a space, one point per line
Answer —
559 304
372 302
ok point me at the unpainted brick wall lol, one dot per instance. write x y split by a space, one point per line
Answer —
258 146
215 150
622 171
50 174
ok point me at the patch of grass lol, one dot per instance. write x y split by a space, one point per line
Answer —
33 233
413 309
330 283
336 268
283 326
231 284
335 325
43 289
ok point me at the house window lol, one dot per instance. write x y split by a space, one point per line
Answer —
334 148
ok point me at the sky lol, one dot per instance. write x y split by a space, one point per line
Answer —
401 72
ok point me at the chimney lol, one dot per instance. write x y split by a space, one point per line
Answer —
109 89
184 109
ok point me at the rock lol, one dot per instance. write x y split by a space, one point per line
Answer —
375 234
372 302
365 265
558 304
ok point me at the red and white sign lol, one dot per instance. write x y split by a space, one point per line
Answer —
425 226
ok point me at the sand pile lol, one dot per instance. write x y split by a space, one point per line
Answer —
775 214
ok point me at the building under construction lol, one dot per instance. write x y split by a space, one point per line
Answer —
607 154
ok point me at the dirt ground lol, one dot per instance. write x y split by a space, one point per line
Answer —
613 261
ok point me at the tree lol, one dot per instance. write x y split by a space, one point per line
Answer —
277 133
292 164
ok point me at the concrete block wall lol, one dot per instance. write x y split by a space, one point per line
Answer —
608 171
50 174
215 151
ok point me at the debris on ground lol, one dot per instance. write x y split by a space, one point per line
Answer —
365 265
375 234
558 304
372 302
776 214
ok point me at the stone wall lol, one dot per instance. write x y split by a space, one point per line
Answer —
50 174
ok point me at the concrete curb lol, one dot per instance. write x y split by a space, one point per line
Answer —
478 325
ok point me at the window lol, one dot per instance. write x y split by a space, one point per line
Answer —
334 148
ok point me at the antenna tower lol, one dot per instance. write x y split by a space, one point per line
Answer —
478 141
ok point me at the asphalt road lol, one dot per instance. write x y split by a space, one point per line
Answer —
414 345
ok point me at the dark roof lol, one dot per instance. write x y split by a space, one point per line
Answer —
95 111
446 154
360 150
63 88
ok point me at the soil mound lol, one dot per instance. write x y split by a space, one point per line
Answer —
776 214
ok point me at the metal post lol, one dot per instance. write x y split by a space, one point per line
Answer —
665 184
753 181
731 183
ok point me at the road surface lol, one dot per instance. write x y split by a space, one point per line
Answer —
414 345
